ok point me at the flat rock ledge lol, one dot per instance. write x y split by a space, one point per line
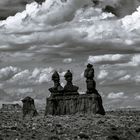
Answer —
72 104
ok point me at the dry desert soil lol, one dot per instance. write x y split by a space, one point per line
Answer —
115 125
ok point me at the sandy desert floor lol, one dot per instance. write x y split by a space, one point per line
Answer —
118 125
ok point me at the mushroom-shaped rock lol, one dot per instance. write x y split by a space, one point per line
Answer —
69 88
57 89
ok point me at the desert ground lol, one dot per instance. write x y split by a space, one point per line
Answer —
115 125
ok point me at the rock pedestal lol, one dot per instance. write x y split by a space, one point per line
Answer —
65 105
29 107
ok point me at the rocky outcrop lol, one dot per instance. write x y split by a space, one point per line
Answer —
69 101
85 103
29 107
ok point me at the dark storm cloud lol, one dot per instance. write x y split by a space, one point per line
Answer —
11 7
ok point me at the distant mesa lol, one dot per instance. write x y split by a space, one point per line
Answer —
67 100
11 107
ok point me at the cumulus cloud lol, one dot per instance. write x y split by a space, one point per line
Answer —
50 12
9 8
118 95
110 76
48 24
106 57
17 76
126 77
114 75
67 60
8 72
121 72
24 90
102 74
130 22
36 76
135 60
136 78
137 97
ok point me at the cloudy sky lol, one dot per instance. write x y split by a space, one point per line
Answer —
59 35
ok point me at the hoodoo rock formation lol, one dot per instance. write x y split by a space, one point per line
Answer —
69 88
29 107
57 89
69 101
